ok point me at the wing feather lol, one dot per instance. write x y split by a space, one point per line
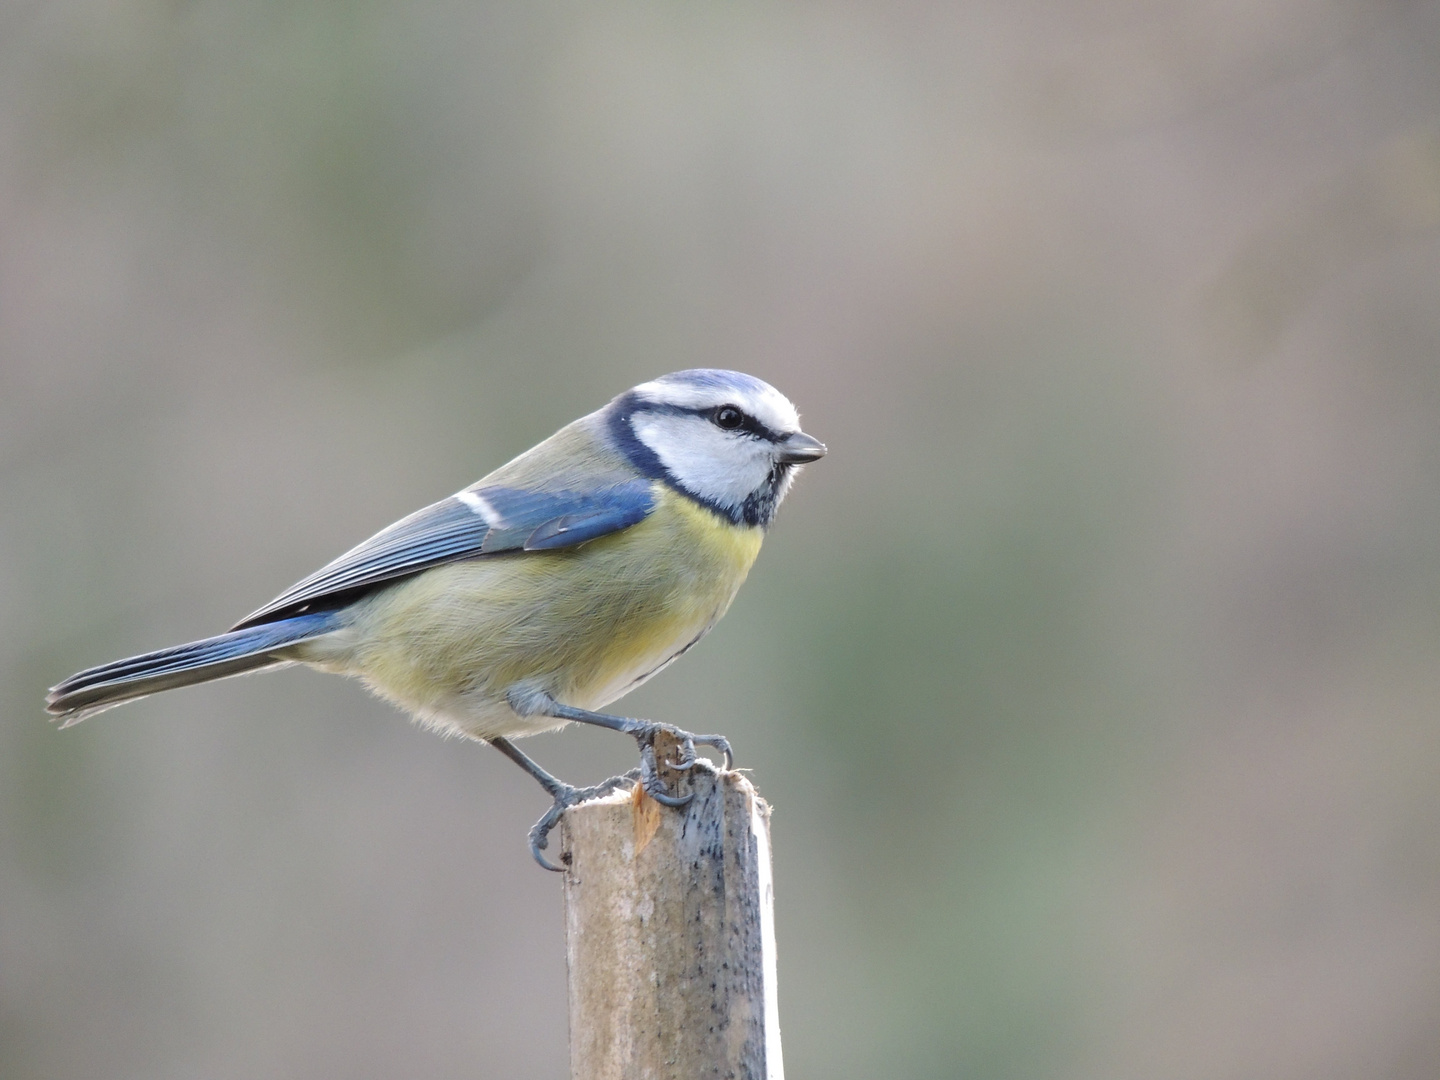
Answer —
476 522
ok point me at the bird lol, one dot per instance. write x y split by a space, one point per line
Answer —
541 593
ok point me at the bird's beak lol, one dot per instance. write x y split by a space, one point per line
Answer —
799 448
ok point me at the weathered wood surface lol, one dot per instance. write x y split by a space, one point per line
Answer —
670 934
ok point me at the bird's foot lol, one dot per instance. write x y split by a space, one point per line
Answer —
684 743
566 797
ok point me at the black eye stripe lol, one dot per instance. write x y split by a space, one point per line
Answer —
748 424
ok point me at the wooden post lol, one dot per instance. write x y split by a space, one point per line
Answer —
670 933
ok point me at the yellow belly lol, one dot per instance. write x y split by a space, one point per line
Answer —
585 624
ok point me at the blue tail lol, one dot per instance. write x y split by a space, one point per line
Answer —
253 649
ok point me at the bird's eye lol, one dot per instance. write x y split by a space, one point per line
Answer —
729 417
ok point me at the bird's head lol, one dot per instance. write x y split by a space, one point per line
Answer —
726 439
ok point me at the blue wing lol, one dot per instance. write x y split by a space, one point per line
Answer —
474 523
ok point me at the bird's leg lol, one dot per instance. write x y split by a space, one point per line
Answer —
540 703
564 794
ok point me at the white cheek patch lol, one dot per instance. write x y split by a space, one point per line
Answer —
718 466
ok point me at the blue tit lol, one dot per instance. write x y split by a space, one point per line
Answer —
538 595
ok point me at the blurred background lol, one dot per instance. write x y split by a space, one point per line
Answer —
1092 676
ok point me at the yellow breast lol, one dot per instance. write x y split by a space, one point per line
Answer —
587 624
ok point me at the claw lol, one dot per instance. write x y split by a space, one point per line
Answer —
718 742
655 788
643 731
650 777
540 836
687 757
648 774
565 798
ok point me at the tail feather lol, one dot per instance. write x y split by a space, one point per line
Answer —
99 688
